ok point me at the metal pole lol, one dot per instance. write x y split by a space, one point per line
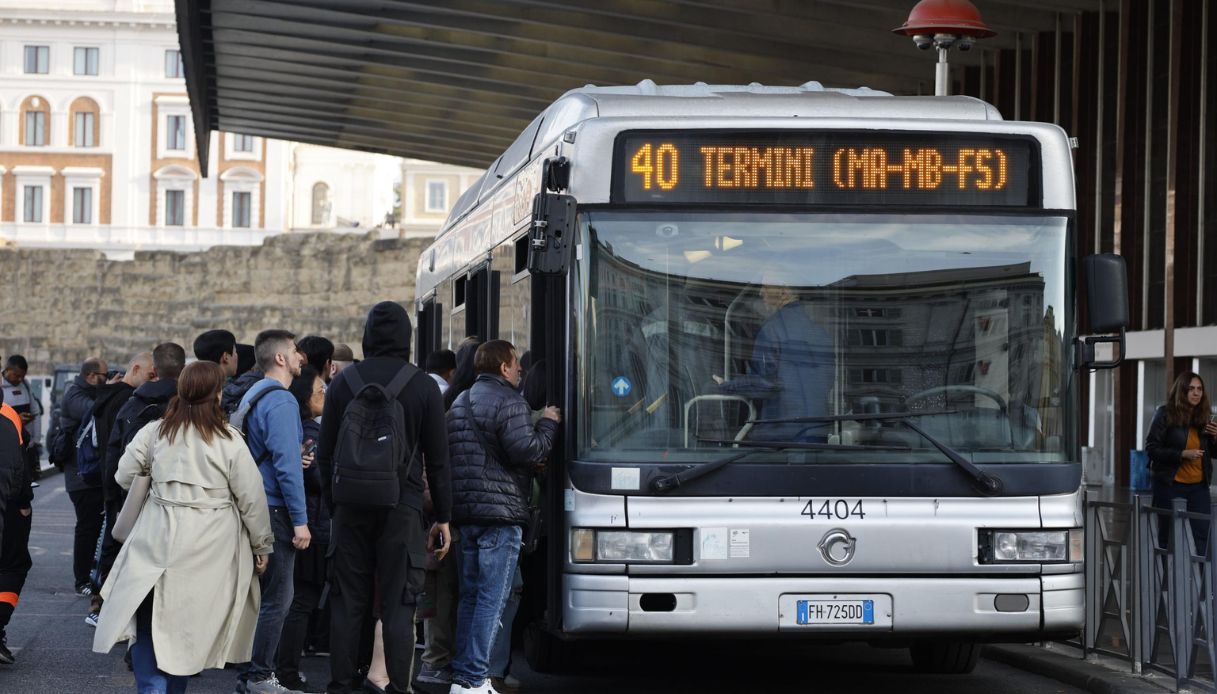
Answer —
1141 625
1179 566
942 74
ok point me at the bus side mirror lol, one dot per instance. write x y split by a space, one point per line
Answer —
1106 279
551 239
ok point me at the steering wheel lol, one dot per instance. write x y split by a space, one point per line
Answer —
976 390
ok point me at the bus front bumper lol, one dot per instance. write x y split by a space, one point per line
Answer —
759 605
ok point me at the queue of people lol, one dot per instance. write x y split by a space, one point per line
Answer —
241 513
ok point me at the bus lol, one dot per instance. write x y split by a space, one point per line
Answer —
817 352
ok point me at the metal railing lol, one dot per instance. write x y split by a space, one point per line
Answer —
1151 591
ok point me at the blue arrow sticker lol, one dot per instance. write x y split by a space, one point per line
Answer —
621 386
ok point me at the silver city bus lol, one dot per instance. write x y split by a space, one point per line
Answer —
817 352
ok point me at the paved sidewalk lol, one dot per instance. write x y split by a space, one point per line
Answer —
48 635
1100 674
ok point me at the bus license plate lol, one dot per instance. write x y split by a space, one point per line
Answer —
813 612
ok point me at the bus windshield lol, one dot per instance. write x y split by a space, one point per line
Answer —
698 330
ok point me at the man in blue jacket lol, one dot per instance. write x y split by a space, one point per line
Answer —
270 417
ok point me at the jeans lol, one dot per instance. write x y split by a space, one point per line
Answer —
489 555
306 596
277 592
500 655
1198 500
149 679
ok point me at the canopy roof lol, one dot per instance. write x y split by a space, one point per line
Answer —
457 81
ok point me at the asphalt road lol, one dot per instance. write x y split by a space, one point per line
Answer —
53 647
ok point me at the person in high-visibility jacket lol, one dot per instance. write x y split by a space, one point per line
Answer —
16 511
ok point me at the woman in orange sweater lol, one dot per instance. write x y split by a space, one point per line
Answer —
1181 444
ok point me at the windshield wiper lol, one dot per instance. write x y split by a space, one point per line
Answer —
985 483
667 483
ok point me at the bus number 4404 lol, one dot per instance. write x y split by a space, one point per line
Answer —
838 509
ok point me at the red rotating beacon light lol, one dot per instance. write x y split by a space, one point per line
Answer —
944 24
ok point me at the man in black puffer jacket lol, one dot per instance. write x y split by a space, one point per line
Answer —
494 448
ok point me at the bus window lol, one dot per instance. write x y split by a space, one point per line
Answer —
430 328
515 297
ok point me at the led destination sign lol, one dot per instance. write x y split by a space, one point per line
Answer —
826 168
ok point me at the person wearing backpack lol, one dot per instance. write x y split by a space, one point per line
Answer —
383 421
74 412
145 404
495 448
269 419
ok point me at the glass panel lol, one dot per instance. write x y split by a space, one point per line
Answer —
175 208
176 133
37 60
33 204
437 196
696 323
173 63
35 128
84 61
240 209
82 205
243 143
84 130
321 203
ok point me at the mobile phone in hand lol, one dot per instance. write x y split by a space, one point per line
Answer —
310 448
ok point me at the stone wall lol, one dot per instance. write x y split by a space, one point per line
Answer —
64 306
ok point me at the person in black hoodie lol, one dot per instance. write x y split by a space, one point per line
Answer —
390 543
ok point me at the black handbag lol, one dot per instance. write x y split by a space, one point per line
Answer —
532 531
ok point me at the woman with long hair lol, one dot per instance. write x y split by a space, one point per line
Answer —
1181 444
182 590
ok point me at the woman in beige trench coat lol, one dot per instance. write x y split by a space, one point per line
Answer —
184 577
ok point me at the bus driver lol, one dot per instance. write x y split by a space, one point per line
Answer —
790 372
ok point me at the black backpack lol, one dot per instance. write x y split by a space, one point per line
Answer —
372 442
237 420
150 412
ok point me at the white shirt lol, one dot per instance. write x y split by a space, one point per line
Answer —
443 385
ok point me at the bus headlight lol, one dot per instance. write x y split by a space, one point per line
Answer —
1032 546
622 546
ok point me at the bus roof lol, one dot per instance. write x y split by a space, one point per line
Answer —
649 100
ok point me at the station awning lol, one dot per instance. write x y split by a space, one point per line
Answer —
456 81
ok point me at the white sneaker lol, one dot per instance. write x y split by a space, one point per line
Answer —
486 688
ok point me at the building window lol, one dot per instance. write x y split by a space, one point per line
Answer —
173 64
243 143
35 128
32 211
175 132
84 130
437 196
37 60
82 205
241 209
321 203
175 208
84 61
